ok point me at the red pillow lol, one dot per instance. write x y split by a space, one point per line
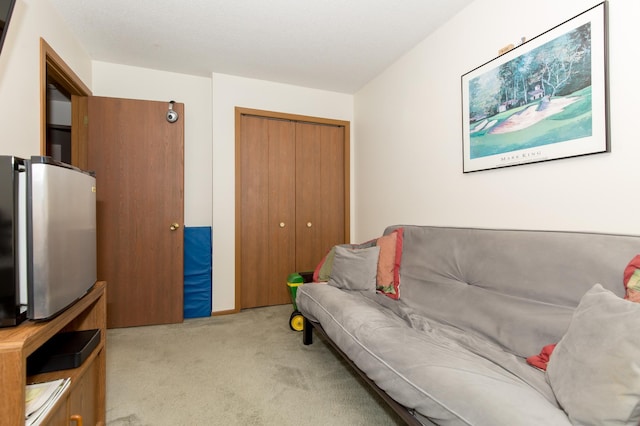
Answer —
631 280
541 361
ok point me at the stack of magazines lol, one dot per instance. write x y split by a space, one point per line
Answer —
41 397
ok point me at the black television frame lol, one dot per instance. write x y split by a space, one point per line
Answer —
6 20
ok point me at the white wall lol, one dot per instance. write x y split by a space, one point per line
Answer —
20 72
407 151
408 125
123 81
229 92
210 160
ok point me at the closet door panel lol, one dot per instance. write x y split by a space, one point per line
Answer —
254 212
267 213
281 254
320 182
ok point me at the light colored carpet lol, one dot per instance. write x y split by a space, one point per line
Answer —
248 368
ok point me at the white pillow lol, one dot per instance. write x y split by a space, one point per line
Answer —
594 370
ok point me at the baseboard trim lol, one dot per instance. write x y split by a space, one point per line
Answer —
227 312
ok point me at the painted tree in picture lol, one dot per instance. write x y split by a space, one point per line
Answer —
541 97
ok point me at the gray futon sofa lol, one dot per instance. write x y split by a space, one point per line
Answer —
471 306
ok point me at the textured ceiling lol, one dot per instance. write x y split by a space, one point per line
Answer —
335 45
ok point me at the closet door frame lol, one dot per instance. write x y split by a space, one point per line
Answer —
239 112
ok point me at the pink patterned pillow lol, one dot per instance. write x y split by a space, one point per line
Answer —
388 275
386 261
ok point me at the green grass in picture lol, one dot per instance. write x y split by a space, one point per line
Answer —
572 121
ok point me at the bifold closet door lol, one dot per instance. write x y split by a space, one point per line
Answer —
267 151
320 191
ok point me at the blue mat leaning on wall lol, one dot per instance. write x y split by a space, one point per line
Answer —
197 271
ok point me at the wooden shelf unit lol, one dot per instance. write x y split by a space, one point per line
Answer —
86 393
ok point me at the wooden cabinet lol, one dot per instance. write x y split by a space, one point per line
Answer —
85 396
292 201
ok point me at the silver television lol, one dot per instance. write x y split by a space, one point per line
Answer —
60 236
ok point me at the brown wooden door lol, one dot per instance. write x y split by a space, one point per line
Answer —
320 196
138 159
292 206
268 210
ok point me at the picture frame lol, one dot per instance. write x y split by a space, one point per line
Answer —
543 100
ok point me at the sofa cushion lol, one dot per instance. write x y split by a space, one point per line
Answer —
449 376
355 269
595 370
516 288
322 272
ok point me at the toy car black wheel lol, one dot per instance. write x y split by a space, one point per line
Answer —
296 322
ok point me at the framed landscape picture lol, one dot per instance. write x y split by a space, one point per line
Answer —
544 100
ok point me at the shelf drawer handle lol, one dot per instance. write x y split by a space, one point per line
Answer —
76 418
309 224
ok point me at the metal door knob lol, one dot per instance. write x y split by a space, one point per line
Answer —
174 226
309 224
281 224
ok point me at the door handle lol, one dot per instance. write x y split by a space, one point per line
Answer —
174 226
309 224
